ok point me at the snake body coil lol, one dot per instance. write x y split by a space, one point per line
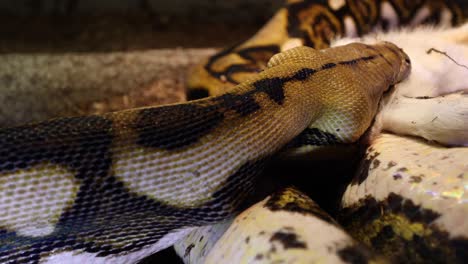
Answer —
314 24
126 182
120 186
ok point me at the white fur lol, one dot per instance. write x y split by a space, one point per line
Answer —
444 118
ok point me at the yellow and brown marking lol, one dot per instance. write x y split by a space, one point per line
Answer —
146 173
306 22
291 200
399 229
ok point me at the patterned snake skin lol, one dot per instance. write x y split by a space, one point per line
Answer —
314 24
120 186
113 184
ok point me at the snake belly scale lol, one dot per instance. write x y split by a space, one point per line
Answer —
129 182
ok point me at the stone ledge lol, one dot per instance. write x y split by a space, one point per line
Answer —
36 86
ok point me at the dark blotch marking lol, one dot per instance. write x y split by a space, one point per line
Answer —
375 164
259 53
188 249
247 239
197 93
288 240
368 58
175 126
391 164
237 187
295 23
212 60
104 210
364 168
272 250
236 68
355 254
79 143
397 204
254 56
423 97
301 204
385 234
314 137
368 209
273 87
178 126
350 62
353 61
397 176
415 179
303 74
437 246
259 256
243 104
330 65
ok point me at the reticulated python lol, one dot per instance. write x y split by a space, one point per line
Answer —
123 185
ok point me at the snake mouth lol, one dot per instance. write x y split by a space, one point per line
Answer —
404 62
405 68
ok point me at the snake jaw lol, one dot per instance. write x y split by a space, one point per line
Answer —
404 64
405 67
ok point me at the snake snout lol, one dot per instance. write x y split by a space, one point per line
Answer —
405 67
404 61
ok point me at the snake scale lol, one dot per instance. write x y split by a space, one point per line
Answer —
120 186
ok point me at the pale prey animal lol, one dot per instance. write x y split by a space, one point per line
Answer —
433 102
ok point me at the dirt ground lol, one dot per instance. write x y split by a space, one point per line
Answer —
100 63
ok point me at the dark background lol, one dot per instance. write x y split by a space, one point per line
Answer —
107 25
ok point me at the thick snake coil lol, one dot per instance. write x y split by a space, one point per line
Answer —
123 182
314 24
120 186
406 191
